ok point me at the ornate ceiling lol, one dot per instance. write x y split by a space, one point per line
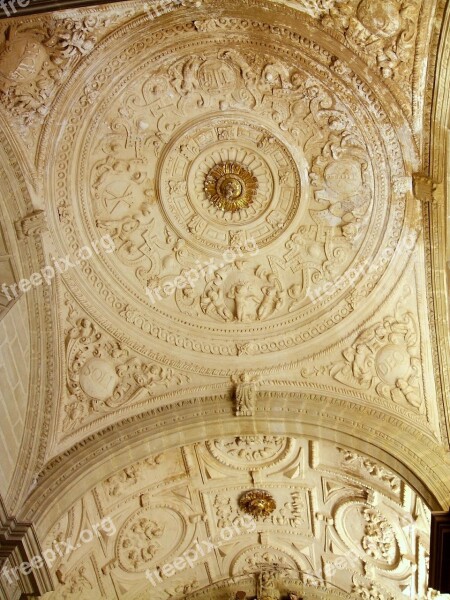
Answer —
249 296
332 505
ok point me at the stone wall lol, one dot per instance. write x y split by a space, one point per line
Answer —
14 385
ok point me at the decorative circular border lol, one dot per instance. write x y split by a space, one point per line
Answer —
252 219
146 511
342 310
281 455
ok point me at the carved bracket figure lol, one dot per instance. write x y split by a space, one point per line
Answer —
245 394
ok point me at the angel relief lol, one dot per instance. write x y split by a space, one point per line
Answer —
385 29
242 295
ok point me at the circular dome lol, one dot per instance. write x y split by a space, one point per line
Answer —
239 190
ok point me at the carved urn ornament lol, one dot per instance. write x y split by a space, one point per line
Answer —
230 186
257 503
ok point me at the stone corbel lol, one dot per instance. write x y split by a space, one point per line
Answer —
424 188
245 394
19 545
33 224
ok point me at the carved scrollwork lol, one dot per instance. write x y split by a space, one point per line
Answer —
386 30
385 357
259 451
310 152
353 460
102 374
118 484
144 538
35 58
262 559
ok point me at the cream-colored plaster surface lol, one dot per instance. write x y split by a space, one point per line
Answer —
245 212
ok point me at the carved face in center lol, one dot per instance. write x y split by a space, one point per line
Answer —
230 186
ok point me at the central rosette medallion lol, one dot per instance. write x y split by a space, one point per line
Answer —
223 174
231 186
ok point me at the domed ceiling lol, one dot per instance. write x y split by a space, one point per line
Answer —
259 206
243 299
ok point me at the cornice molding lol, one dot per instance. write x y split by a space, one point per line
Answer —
42 6
18 544
435 217
439 87
364 429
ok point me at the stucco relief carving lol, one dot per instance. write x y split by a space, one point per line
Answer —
144 538
139 544
385 357
120 483
240 293
226 511
309 150
369 591
342 181
353 460
102 374
78 585
379 539
319 518
316 8
293 511
385 31
268 184
36 58
66 528
256 559
299 124
183 589
375 536
258 451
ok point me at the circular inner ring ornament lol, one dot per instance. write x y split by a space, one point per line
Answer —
257 503
230 186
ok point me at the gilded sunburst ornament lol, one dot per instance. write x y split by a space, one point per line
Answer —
257 503
230 186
